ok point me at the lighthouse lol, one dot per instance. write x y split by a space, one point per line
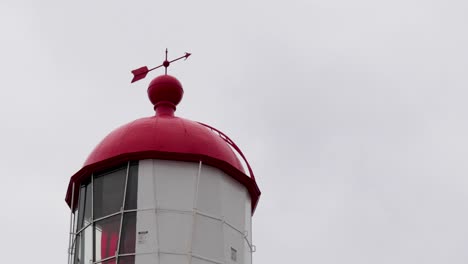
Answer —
163 190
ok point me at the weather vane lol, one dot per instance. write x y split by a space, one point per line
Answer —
140 73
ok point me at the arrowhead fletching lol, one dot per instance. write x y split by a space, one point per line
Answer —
139 73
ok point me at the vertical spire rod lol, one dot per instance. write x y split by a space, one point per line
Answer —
165 67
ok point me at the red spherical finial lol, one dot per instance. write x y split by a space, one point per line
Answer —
165 92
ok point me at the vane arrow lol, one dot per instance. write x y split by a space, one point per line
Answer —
141 72
181 57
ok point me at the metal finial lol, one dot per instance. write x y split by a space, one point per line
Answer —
141 73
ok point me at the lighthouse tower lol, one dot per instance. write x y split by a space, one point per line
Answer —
163 190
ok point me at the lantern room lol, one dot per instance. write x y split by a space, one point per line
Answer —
163 189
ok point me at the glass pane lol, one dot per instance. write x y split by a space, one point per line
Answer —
127 241
106 236
75 221
84 204
88 205
108 192
81 202
109 261
77 250
127 260
84 247
132 187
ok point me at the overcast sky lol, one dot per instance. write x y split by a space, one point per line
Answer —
353 115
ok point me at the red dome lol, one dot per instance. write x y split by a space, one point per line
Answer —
165 136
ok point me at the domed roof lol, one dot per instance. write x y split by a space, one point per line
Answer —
165 136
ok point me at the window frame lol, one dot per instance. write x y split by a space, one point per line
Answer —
131 170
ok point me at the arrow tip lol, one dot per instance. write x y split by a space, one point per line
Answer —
187 55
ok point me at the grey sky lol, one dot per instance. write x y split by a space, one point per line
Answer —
352 114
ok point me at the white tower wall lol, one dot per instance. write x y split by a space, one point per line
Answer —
191 213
